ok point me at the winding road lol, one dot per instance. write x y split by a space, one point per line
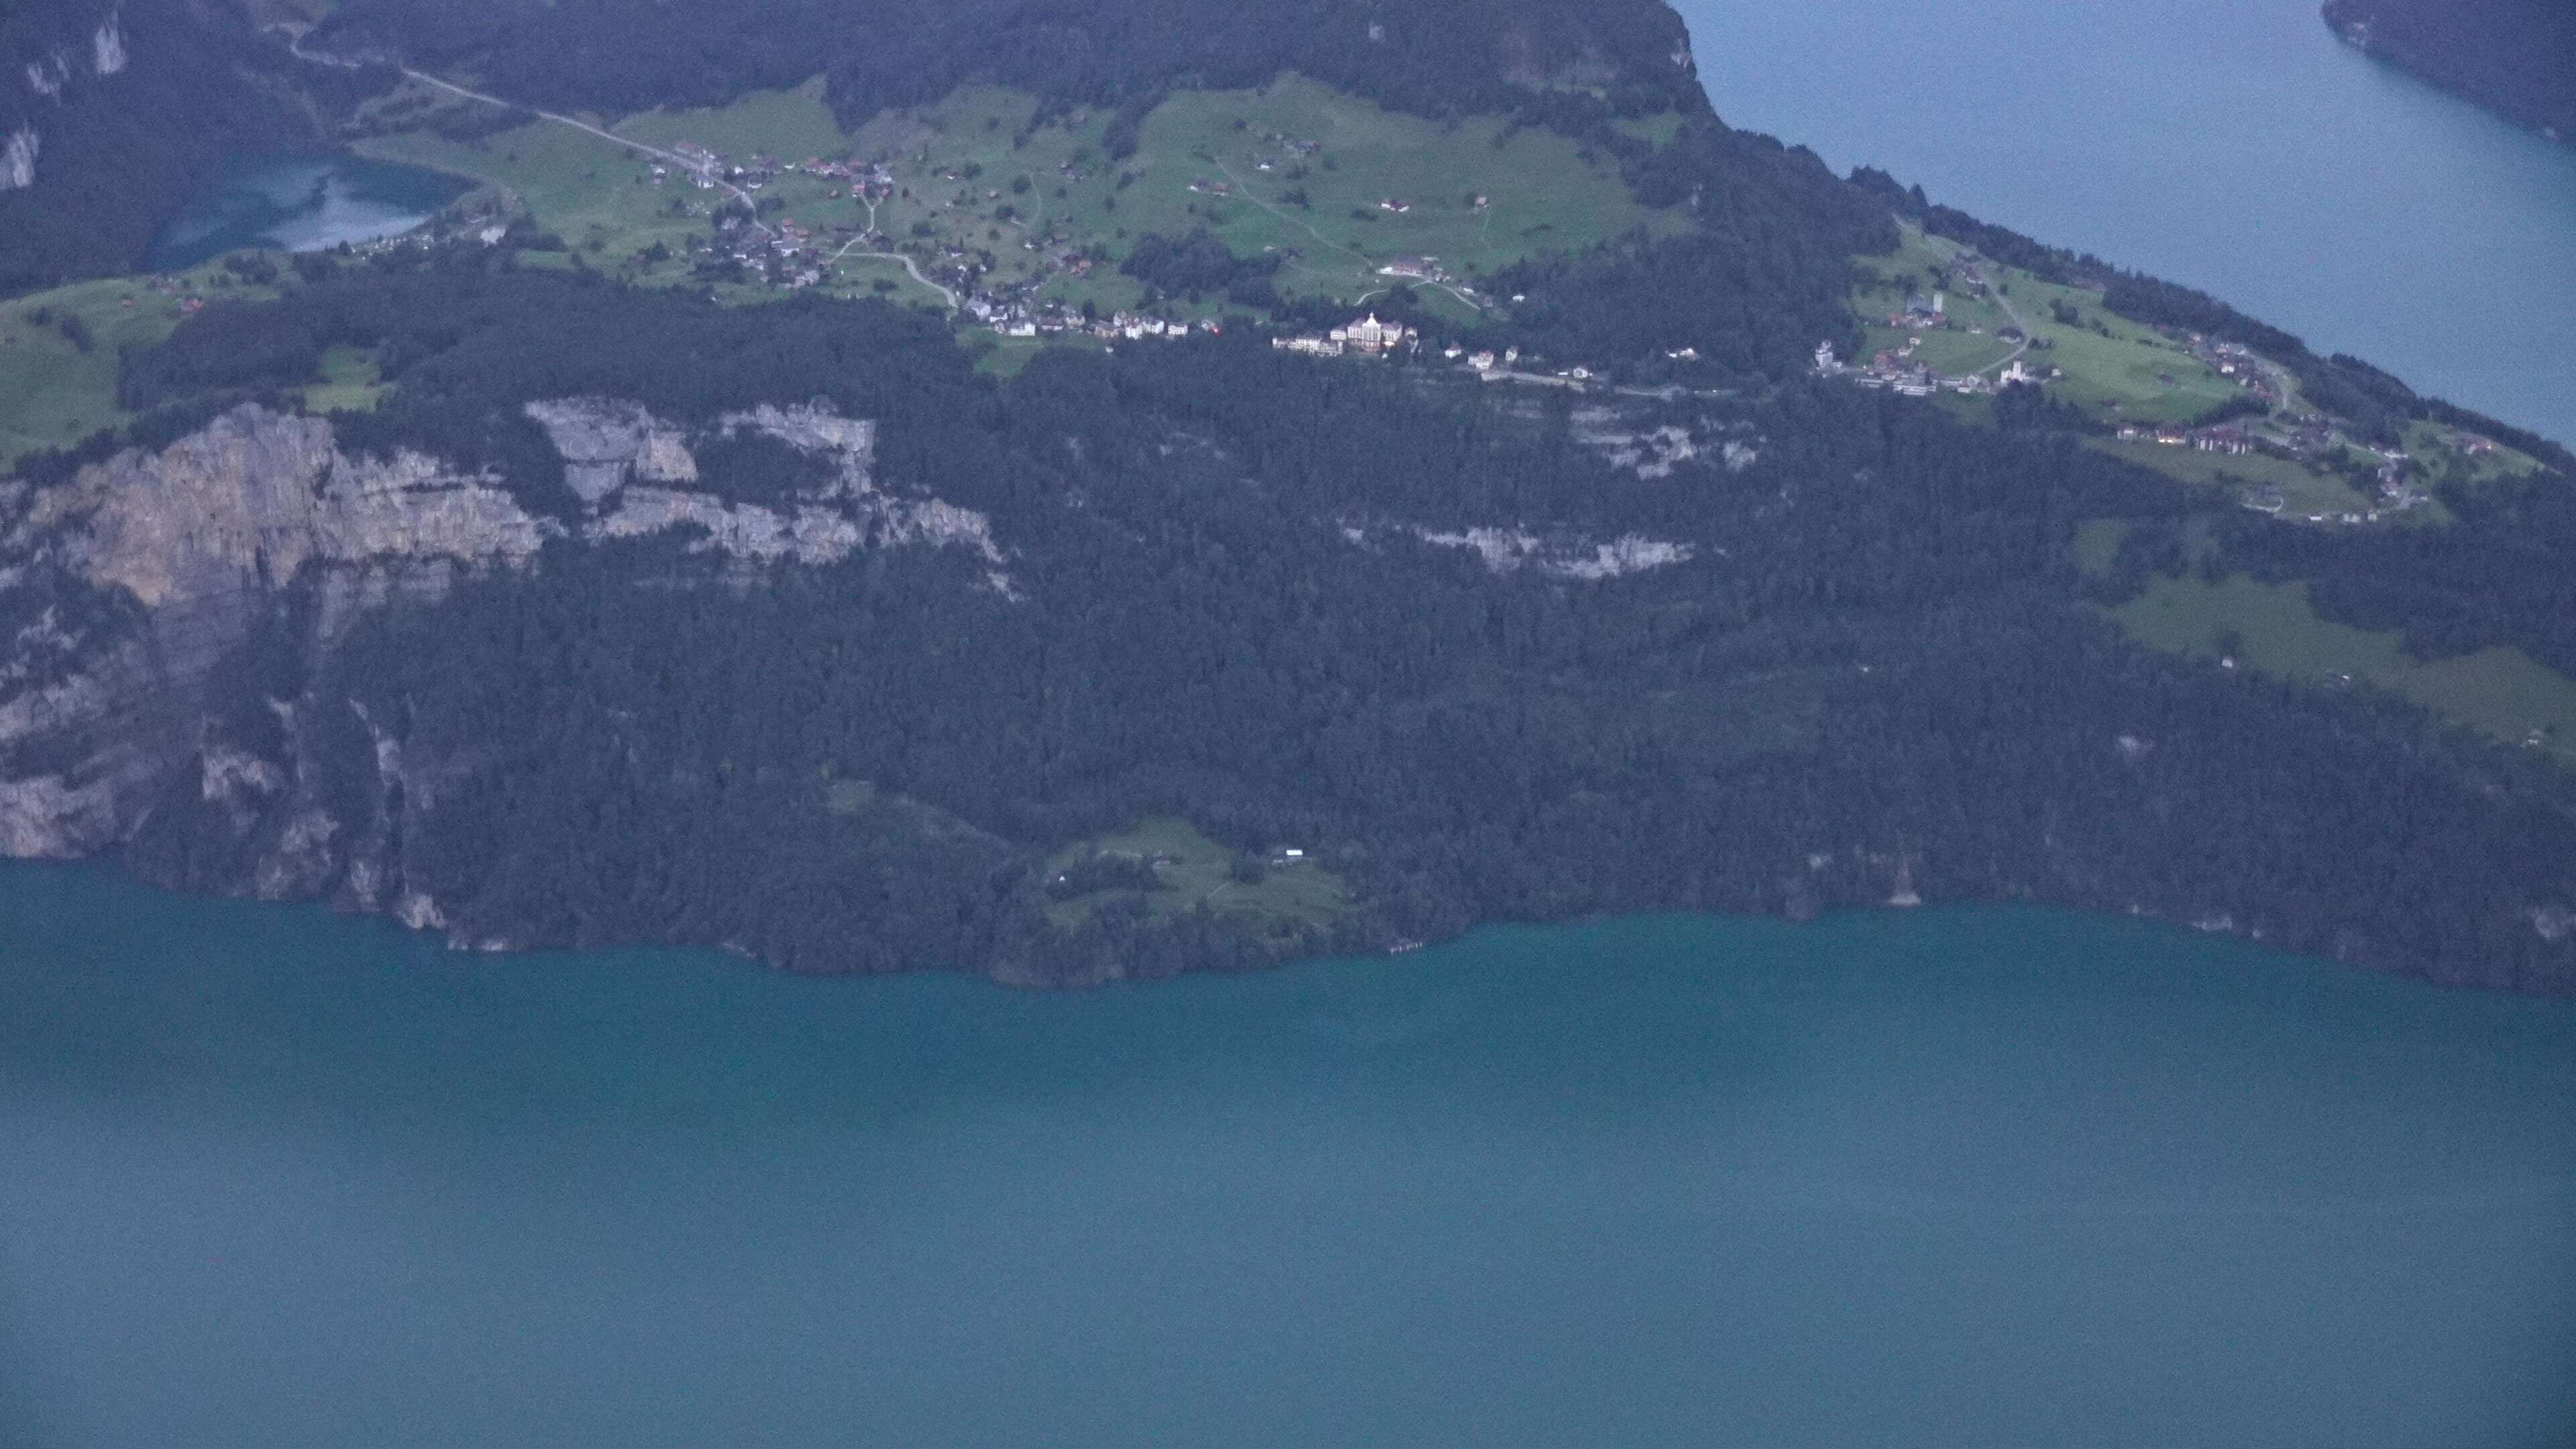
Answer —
295 46
684 163
674 157
945 294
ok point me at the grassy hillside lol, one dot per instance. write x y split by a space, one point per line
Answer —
55 392
2114 368
2275 628
1287 894
1294 168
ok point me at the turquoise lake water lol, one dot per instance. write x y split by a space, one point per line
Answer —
2232 144
277 1178
302 203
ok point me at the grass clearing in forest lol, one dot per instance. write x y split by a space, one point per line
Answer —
2502 691
2304 490
53 392
351 381
1193 871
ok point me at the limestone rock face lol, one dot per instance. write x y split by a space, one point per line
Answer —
107 48
1508 550
607 445
126 590
257 496
18 159
141 574
627 466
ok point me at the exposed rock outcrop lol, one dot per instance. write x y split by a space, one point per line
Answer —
124 590
18 159
144 572
627 466
1507 550
256 496
107 47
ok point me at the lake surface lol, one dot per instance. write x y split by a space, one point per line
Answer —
2235 145
280 1179
301 203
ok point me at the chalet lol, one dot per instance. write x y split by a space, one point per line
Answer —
2231 441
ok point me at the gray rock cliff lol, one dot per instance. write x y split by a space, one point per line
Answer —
125 591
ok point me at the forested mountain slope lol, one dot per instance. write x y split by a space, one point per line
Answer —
760 618
1432 56
111 111
1470 662
2516 57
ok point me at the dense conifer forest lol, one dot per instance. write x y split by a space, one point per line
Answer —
1875 667
1437 57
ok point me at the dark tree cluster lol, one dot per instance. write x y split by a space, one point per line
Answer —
1429 56
1764 272
1200 265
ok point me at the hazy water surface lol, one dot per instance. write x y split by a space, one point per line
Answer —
272 1178
2232 144
302 203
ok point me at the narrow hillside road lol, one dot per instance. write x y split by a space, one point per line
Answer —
676 159
1244 188
1997 292
945 294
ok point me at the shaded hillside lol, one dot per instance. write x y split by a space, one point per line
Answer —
1429 56
2515 57
553 649
112 112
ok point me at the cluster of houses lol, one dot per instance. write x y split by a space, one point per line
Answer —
1025 318
1899 372
2236 361
2225 438
1416 269
785 253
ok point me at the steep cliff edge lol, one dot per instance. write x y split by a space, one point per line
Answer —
161 610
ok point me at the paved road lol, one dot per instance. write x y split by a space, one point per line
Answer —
1997 293
945 295
675 158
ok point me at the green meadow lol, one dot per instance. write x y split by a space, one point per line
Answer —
2503 692
2122 372
1194 871
1294 169
53 392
